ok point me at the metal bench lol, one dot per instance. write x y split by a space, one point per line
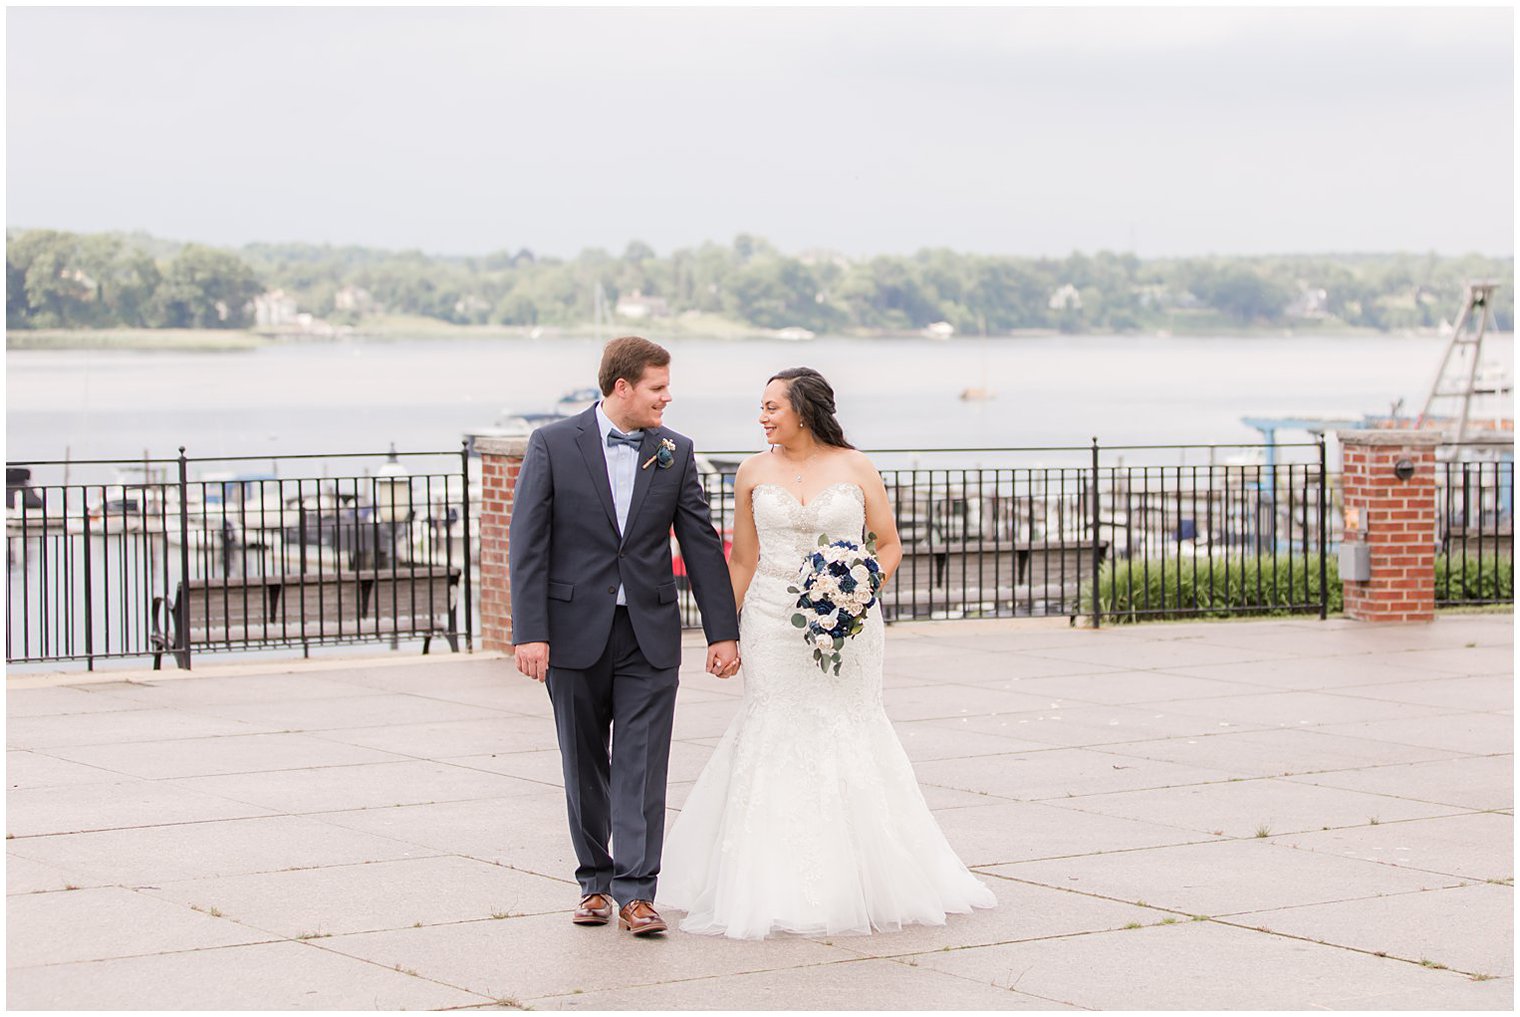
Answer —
302 609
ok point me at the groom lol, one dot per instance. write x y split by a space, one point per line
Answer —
594 614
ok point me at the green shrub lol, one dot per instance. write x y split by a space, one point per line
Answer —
1127 586
1472 578
1258 583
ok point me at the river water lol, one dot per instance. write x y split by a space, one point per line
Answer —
423 394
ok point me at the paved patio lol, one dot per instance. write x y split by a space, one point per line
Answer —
1247 815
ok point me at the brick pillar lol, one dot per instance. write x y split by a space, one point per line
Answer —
1398 518
501 461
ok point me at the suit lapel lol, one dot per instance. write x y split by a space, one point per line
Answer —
591 442
644 477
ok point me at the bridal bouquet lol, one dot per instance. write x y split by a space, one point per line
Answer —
835 588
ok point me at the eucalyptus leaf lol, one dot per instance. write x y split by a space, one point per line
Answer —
799 621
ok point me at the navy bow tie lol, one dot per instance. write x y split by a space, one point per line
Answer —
633 439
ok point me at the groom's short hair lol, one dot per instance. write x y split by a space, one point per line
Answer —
626 357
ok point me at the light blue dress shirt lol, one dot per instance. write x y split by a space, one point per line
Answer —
622 471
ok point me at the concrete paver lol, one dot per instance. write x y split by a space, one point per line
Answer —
63 699
545 955
378 709
390 833
117 727
1467 928
1025 831
1278 752
1479 692
87 925
376 896
447 738
195 757
1476 846
264 976
25 769
146 854
360 786
845 985
1471 782
1243 808
1300 708
1320 673
1209 966
1223 877
1060 773
22 875
1459 732
81 808
1118 688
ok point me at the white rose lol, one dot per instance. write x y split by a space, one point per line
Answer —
825 643
861 575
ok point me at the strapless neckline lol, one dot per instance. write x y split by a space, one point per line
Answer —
821 492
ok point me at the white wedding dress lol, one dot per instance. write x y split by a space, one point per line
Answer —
808 817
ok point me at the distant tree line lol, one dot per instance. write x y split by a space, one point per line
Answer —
66 280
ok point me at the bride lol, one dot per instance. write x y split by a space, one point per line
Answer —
808 817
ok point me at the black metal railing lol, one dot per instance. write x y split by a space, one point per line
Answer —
178 556
1216 540
1475 498
1153 538
172 557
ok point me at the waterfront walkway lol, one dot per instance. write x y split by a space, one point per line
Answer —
1232 815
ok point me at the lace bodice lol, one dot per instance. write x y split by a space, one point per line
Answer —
778 666
789 530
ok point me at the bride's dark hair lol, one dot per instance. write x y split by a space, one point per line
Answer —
813 399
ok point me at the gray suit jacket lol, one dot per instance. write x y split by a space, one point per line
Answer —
566 558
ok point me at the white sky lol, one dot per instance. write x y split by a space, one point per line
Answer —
1013 131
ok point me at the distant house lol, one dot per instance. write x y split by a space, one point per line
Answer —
636 305
1066 298
274 309
940 330
354 298
1311 303
470 305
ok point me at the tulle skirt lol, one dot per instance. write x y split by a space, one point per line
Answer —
808 817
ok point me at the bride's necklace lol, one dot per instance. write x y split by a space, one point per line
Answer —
802 465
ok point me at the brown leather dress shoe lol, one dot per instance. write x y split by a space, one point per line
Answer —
640 918
595 909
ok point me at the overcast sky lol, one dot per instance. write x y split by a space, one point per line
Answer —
1037 131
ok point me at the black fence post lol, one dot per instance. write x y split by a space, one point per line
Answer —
89 577
469 604
1324 496
1097 557
182 636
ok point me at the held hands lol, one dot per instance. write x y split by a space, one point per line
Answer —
723 659
533 660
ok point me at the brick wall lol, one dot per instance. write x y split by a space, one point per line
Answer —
1399 520
501 461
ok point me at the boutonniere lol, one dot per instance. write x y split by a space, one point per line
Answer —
665 455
